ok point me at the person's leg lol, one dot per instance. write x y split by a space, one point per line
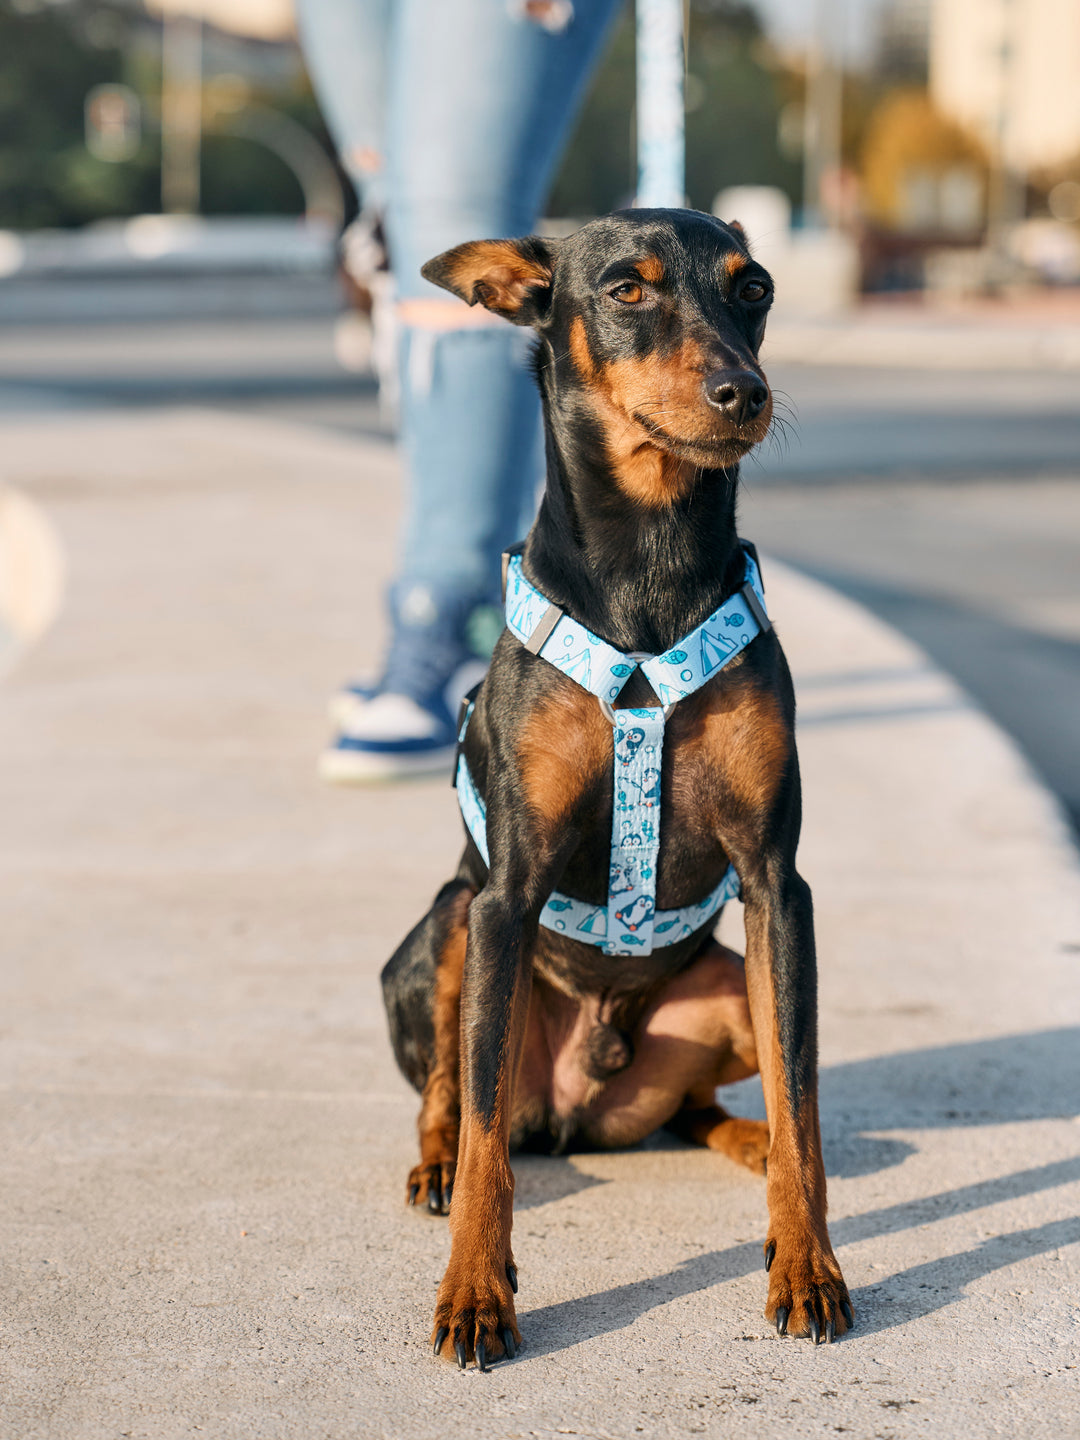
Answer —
345 45
482 95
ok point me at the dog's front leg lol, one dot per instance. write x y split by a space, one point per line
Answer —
807 1294
474 1312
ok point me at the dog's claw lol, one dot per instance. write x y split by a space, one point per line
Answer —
414 1190
440 1336
830 1331
848 1313
481 1355
815 1330
511 1275
770 1254
462 1354
447 1194
434 1200
508 1343
782 1313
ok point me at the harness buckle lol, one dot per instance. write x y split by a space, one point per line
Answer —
754 605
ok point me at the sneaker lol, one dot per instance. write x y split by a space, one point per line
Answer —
382 736
406 725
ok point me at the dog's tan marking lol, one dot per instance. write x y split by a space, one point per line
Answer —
475 1299
804 1269
579 349
492 273
441 1104
562 746
734 261
663 391
737 733
650 268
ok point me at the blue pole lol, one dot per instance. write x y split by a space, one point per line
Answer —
661 138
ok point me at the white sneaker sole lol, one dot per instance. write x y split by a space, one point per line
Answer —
343 708
366 767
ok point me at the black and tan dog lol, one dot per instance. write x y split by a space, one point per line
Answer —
648 326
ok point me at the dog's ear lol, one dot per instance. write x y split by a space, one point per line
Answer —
738 229
512 278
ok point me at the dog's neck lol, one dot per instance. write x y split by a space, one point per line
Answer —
640 577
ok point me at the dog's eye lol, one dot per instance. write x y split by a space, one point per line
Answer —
627 292
754 290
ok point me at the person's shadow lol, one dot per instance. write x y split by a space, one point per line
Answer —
987 1082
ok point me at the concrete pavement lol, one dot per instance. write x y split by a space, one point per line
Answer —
206 1139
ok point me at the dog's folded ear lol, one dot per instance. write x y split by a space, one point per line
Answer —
512 278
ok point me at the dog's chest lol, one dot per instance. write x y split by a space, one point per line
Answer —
724 750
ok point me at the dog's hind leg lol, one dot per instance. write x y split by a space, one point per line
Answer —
696 1036
701 1121
422 992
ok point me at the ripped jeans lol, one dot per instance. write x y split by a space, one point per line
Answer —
451 116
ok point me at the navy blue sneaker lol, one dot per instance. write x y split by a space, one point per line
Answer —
406 724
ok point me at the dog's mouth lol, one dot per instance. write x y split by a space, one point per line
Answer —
711 450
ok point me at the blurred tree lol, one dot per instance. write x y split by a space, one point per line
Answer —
49 59
734 93
52 54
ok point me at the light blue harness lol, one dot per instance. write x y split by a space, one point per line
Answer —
629 924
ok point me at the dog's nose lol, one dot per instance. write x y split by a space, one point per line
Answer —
740 394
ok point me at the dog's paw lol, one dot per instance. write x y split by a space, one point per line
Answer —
744 1141
431 1184
475 1318
807 1294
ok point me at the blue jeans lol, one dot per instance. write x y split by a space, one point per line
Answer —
468 104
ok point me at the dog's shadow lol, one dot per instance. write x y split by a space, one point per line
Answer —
1012 1079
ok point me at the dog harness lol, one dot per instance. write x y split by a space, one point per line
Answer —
629 924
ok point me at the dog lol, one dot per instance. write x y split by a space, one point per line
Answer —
516 1026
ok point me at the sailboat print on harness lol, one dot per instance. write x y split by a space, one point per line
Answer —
595 924
715 650
524 615
579 667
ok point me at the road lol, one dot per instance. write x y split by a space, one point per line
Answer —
946 501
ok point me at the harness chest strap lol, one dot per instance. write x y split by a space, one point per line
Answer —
630 923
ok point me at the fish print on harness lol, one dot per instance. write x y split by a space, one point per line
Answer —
629 923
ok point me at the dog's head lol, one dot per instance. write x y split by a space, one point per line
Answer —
650 323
